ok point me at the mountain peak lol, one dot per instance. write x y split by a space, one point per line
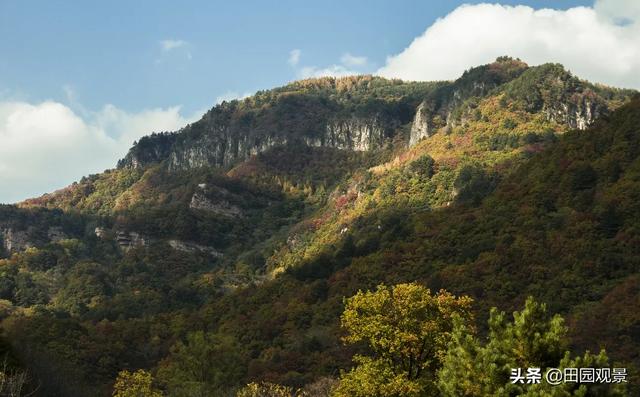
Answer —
366 112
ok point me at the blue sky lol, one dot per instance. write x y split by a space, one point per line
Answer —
80 81
110 52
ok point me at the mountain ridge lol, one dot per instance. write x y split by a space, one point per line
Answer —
233 131
131 265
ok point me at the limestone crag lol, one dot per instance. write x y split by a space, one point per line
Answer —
216 200
358 134
577 115
128 240
227 135
15 240
220 150
342 114
192 247
200 202
223 147
100 232
420 126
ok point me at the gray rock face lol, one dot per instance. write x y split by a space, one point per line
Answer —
225 147
185 246
15 240
219 150
354 134
200 202
215 200
576 115
335 114
420 126
129 240
218 141
100 232
575 111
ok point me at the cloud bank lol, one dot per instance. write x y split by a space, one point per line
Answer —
349 65
353 60
172 44
597 43
231 95
174 47
294 57
46 146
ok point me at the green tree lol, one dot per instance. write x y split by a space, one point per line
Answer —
266 389
473 184
532 340
203 366
407 329
135 384
86 285
423 166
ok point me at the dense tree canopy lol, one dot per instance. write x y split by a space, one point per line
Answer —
407 329
212 278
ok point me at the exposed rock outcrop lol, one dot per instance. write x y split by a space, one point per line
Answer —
234 131
548 88
150 149
577 115
420 126
222 149
358 134
128 240
362 113
200 202
15 240
100 232
226 146
192 247
216 200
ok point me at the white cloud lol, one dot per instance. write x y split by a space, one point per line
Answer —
231 95
69 93
171 44
349 65
597 43
333 70
352 60
46 146
294 57
619 11
174 49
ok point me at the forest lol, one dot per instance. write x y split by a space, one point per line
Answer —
504 238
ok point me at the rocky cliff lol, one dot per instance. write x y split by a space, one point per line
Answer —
549 88
364 113
211 143
343 113
14 240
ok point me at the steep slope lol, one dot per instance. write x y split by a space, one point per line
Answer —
364 113
490 113
561 227
253 223
357 113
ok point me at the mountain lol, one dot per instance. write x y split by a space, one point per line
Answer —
363 113
252 224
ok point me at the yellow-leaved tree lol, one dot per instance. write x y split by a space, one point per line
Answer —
135 384
407 330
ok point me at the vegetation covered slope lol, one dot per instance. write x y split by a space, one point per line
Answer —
153 266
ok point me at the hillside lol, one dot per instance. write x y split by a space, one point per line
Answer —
253 223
